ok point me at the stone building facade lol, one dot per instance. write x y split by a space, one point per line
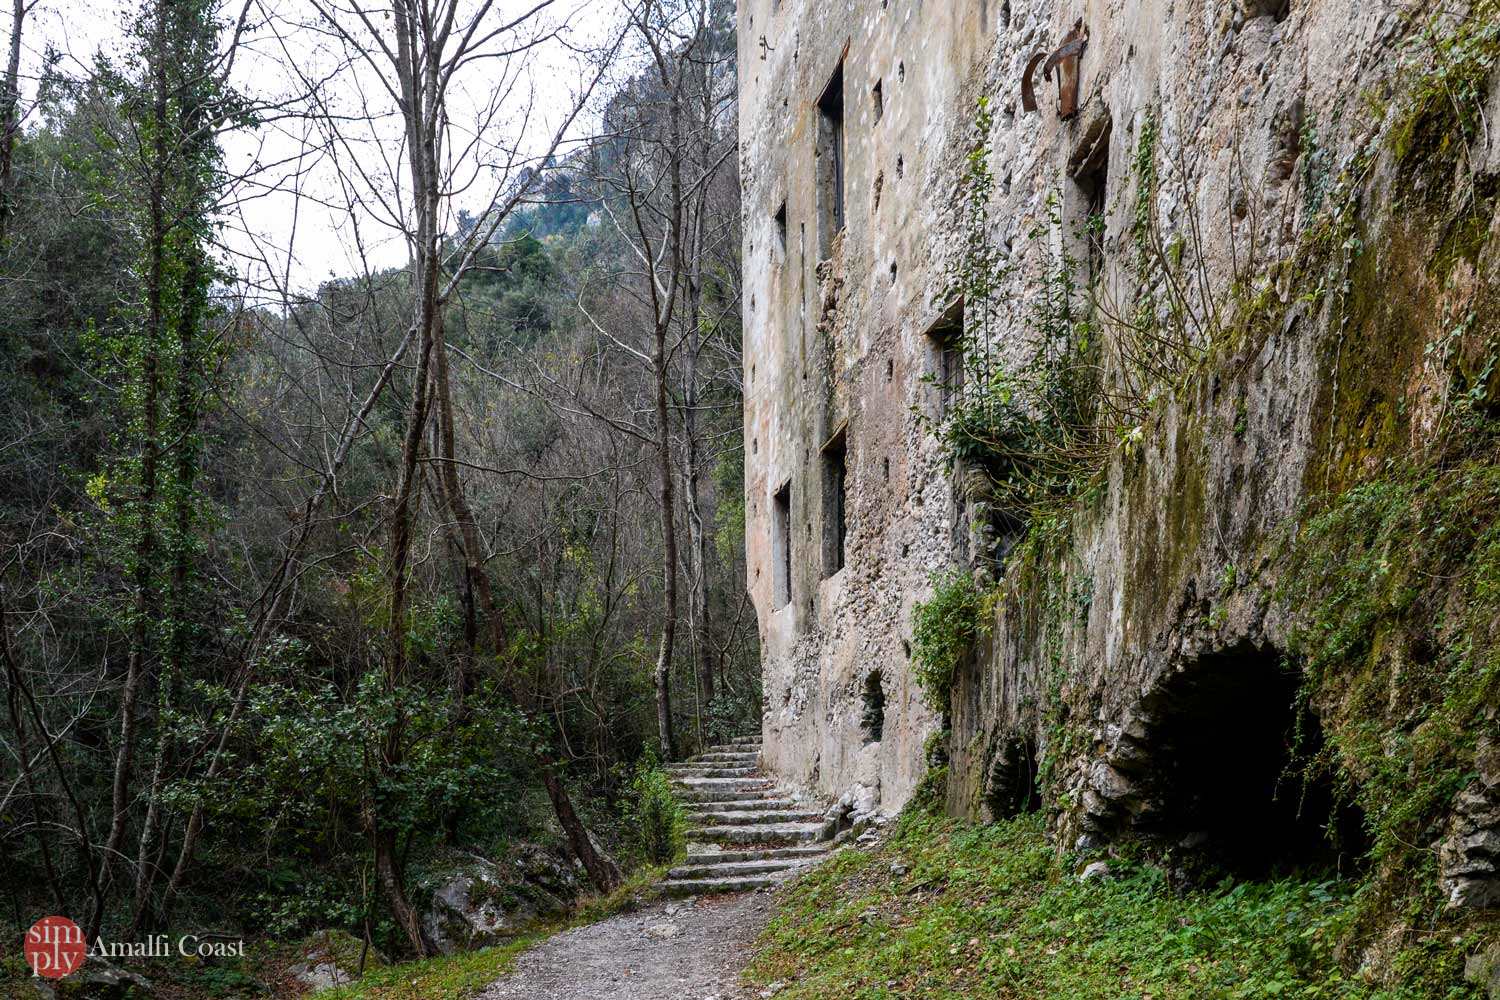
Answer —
858 122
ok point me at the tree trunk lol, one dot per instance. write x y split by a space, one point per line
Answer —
388 877
662 676
10 124
603 872
146 604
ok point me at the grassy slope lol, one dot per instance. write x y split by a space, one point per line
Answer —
946 909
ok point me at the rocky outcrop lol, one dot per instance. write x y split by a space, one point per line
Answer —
331 958
480 902
1470 855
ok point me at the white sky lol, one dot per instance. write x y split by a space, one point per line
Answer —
291 220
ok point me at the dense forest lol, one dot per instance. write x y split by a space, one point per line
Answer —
301 587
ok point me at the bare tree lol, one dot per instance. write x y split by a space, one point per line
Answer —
416 55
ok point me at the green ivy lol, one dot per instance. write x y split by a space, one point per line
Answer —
944 629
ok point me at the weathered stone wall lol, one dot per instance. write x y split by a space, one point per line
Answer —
1263 112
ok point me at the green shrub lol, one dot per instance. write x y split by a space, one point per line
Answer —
657 815
944 628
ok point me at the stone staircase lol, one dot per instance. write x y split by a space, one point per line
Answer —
743 833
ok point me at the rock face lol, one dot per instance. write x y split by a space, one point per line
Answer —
1155 637
481 902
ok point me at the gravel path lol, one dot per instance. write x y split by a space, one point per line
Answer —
686 950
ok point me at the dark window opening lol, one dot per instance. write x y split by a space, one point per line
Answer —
1014 783
781 545
1089 168
877 98
835 494
1229 771
872 719
781 232
1009 530
830 152
947 339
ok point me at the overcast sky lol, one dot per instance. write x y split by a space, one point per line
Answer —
311 207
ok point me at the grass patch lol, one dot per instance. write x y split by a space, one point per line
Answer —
946 909
449 977
457 977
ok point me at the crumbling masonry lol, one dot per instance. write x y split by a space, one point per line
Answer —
858 119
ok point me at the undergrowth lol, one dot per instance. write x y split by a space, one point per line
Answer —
946 909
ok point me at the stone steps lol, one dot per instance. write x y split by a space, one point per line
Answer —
745 834
709 771
734 759
803 853
738 805
738 869
746 817
770 833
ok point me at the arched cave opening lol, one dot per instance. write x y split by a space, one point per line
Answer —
1236 771
1014 784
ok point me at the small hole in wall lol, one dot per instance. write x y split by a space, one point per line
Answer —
890 369
885 468
877 100
1005 15
1277 9
879 186
755 446
752 373
901 71
893 272
872 717
905 551
900 166
752 303
906 648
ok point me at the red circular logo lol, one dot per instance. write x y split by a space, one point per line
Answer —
54 947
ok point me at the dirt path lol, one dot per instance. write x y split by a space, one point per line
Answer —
687 950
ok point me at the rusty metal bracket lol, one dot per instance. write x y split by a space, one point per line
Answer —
1065 59
1028 92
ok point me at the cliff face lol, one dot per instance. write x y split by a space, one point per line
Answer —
1228 345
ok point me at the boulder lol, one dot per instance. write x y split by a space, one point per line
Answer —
477 902
331 958
100 980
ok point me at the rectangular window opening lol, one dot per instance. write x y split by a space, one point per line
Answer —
830 157
1089 169
835 503
781 232
947 339
781 545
